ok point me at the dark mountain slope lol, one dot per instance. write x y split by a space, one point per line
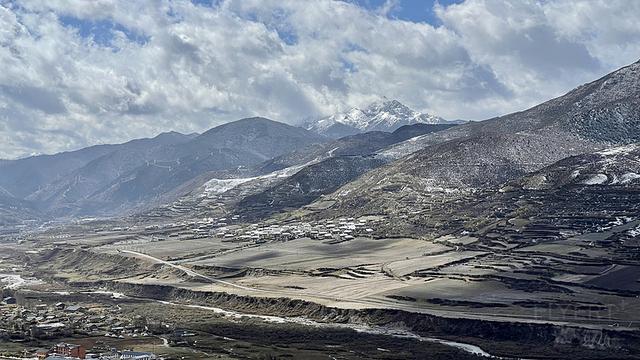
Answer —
260 137
293 179
22 178
306 185
359 144
238 144
99 172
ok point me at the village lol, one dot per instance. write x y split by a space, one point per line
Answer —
44 324
231 229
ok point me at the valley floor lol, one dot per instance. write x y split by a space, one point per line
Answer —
494 289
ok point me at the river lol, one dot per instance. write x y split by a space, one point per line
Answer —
362 328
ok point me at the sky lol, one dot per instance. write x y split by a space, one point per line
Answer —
81 72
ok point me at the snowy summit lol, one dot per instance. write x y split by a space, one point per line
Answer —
385 115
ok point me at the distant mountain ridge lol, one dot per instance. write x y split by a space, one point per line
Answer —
385 115
233 145
117 179
265 167
24 177
84 181
23 181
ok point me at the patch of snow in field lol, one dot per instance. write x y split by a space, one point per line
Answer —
620 150
114 295
440 189
535 182
596 179
634 232
575 174
51 326
16 281
629 177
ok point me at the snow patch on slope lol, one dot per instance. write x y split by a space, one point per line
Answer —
620 150
14 281
220 186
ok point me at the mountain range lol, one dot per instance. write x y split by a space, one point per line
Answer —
385 115
23 177
108 179
371 173
105 180
292 180
391 159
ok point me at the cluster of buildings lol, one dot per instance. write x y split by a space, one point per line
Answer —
64 351
61 320
229 230
46 322
339 230
201 228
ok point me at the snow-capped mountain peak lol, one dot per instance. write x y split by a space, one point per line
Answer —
385 115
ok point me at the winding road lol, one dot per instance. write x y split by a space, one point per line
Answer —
187 270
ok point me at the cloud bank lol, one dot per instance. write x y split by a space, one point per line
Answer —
76 73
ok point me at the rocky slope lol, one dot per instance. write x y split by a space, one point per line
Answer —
306 185
360 144
476 156
613 166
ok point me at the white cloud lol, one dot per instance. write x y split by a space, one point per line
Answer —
154 66
541 49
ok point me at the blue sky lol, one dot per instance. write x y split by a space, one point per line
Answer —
101 31
411 10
